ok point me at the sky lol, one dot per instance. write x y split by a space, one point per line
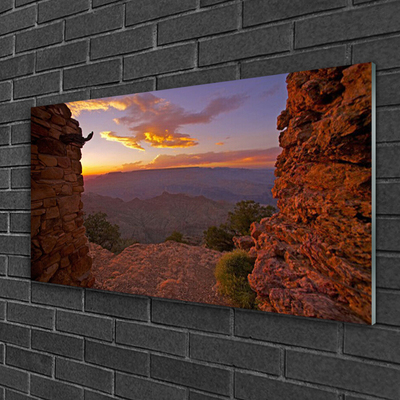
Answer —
226 124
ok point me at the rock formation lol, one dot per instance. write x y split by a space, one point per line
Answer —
170 270
314 256
59 245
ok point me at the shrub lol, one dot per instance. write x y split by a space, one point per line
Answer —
231 272
219 238
175 236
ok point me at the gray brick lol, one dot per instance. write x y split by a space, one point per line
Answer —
29 360
14 200
13 395
89 395
198 376
387 89
160 61
2 310
16 66
30 315
193 316
10 333
387 123
198 77
371 342
12 156
16 20
117 305
21 133
20 222
201 396
3 265
386 161
205 3
56 343
387 234
54 9
83 374
145 85
62 56
249 387
21 178
386 198
340 26
359 376
99 3
199 24
128 41
150 337
274 39
5 91
18 245
103 20
5 135
388 272
259 11
6 46
51 389
12 288
117 358
65 97
39 37
307 60
3 222
6 5
92 74
19 3
302 332
13 378
37 84
235 353
131 387
383 52
85 325
15 111
57 295
146 10
361 1
387 306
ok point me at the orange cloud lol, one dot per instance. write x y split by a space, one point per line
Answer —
220 143
241 158
156 121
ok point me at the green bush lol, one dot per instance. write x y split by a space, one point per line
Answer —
219 238
175 236
231 272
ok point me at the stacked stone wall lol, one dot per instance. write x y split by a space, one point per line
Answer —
59 246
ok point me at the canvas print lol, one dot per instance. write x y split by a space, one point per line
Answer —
256 193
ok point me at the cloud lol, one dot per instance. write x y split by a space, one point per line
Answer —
156 121
270 92
240 158
132 166
220 143
126 141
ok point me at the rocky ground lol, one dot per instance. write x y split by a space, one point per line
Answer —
169 270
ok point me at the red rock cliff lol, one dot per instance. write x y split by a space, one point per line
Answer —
59 246
314 256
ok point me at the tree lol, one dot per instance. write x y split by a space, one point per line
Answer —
239 221
100 231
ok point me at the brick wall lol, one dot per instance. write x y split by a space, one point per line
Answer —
61 342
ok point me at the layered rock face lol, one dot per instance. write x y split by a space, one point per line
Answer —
59 245
314 256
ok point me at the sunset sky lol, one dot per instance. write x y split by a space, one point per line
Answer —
228 124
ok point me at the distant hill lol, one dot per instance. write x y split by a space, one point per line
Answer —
152 220
227 184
